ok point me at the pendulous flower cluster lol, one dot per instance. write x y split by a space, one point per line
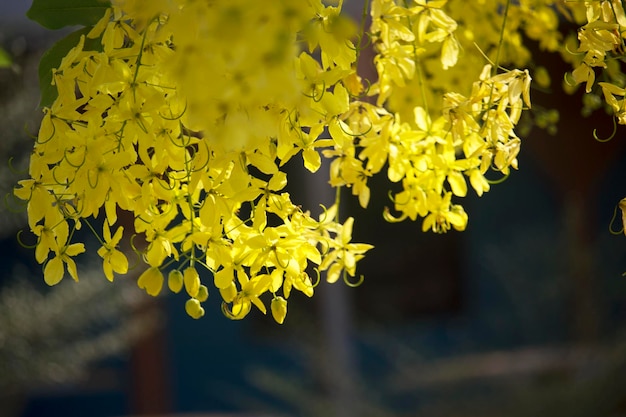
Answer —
184 113
181 120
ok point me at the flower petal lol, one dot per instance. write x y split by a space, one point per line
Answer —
53 271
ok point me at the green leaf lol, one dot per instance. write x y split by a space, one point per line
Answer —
5 59
52 58
56 14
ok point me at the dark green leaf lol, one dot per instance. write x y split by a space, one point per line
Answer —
52 59
55 14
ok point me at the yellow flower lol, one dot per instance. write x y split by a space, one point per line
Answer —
251 289
40 200
53 232
54 269
584 73
611 92
113 259
344 254
444 214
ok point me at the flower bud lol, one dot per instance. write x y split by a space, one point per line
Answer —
175 281
192 281
203 293
279 309
194 309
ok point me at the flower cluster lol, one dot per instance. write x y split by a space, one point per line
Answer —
431 148
601 49
183 113
137 126
600 40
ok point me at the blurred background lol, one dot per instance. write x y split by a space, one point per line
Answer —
523 314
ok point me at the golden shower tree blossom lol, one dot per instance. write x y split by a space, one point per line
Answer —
114 260
184 113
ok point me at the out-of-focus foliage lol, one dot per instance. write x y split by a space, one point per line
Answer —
5 59
43 341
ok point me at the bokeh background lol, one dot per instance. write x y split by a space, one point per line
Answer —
523 314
